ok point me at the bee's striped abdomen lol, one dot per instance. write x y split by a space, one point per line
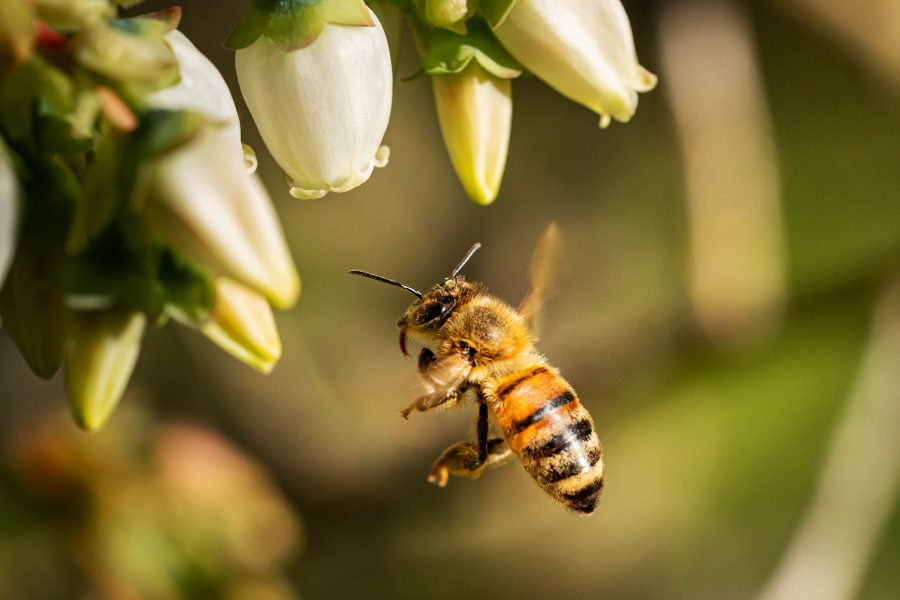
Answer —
553 434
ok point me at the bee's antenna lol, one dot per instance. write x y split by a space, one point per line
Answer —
409 289
465 259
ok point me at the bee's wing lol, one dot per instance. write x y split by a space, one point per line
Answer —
541 273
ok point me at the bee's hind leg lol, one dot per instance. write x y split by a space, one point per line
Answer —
462 459
470 458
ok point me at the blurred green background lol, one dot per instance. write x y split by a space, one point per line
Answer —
718 410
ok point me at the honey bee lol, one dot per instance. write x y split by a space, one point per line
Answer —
484 345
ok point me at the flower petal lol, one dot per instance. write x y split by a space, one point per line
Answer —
321 110
582 48
216 215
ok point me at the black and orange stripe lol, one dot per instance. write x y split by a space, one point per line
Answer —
553 434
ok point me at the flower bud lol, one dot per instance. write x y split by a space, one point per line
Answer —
17 32
201 89
322 110
9 212
69 15
582 48
144 62
475 111
242 324
448 14
103 350
33 314
215 215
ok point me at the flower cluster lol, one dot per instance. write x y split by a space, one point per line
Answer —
126 199
317 77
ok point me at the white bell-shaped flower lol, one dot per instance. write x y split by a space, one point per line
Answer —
322 110
214 214
582 48
202 89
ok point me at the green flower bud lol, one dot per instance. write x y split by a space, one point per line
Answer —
475 111
17 26
146 62
68 15
449 14
242 324
103 350
33 314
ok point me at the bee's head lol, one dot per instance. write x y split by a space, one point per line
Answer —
427 315
430 311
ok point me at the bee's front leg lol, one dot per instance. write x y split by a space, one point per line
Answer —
445 379
433 400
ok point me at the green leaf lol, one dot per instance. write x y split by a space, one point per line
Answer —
17 92
293 28
247 30
111 181
65 118
51 189
294 24
189 293
121 269
101 195
449 53
162 131
495 11
57 136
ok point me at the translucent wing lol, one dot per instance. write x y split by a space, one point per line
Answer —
541 273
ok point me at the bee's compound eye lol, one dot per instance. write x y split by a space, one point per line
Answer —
430 312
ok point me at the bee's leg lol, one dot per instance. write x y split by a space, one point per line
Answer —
433 400
481 431
426 358
438 397
462 459
470 458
